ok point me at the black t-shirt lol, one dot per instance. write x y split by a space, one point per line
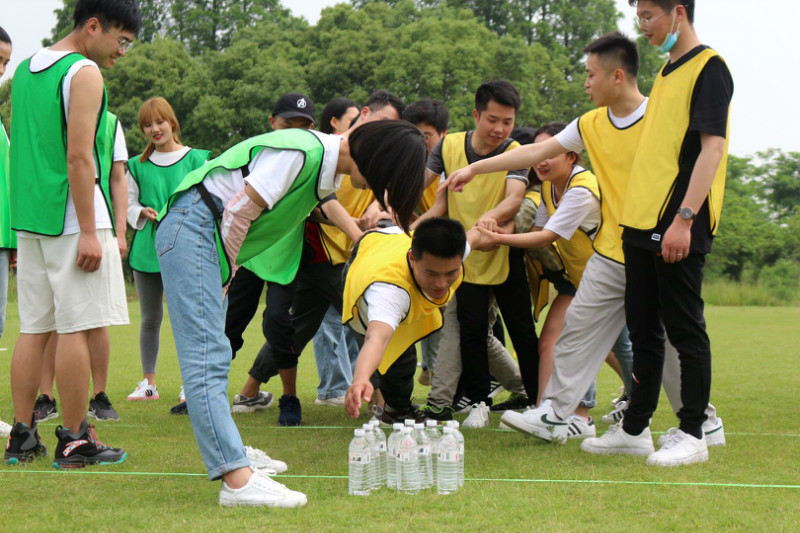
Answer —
708 114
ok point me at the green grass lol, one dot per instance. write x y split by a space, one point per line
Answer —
514 483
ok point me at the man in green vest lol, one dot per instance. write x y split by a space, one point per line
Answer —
60 199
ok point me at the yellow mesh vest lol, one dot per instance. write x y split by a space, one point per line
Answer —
611 151
539 285
484 193
428 197
656 165
390 251
337 244
576 251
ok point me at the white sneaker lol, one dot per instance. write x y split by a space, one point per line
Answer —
680 449
541 422
713 432
580 428
261 490
243 404
478 417
615 441
143 391
617 414
182 396
330 402
261 461
5 429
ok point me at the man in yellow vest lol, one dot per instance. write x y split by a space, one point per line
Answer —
671 213
395 290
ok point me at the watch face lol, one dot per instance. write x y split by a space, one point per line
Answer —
686 213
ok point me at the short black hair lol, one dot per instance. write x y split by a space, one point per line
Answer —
440 237
4 37
666 5
552 129
618 49
428 111
524 134
381 98
336 108
501 91
391 155
122 13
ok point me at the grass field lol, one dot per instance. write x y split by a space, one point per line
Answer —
513 483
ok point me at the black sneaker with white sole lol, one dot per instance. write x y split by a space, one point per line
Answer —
24 445
515 401
44 408
100 408
77 450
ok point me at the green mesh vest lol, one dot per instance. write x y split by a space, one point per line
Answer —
276 223
156 183
8 238
39 183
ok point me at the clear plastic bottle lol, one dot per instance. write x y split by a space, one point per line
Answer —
447 463
359 459
381 437
460 439
409 423
425 457
407 463
391 455
374 475
432 431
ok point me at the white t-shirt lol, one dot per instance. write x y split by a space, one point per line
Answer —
272 173
120 149
570 137
162 159
41 60
578 208
387 303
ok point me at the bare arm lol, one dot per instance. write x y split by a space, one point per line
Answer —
86 97
528 155
369 358
506 209
438 209
678 238
534 239
339 217
119 199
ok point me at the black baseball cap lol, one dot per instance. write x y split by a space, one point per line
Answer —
292 105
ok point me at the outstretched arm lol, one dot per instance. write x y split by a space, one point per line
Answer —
369 358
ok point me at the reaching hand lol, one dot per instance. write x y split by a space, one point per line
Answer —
357 391
456 181
149 213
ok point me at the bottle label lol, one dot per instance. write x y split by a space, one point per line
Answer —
448 455
363 459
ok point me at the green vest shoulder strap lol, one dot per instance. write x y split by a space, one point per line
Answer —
8 238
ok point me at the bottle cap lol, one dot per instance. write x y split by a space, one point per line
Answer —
406 430
409 422
447 430
431 423
397 426
359 432
418 426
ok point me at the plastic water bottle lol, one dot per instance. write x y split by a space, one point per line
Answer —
359 459
447 463
374 451
432 431
425 457
460 440
381 437
407 463
391 455
409 423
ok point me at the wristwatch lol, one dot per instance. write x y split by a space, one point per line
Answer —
686 213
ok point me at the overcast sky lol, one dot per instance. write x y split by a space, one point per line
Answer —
765 111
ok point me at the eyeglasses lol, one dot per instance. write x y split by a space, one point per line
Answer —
645 22
428 135
123 43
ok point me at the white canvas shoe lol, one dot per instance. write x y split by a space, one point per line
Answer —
578 428
680 449
261 490
144 391
713 432
478 417
541 422
616 442
261 461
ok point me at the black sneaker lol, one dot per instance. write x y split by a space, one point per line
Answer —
44 408
515 401
179 409
101 409
76 450
24 445
390 415
495 388
436 413
291 414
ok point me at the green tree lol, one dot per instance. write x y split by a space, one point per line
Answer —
781 182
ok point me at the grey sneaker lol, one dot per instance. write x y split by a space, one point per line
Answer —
243 404
100 408
44 408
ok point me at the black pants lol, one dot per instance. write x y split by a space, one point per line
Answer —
243 296
514 300
318 286
658 297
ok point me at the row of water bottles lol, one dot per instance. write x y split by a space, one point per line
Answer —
414 457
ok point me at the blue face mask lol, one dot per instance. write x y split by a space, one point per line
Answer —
671 39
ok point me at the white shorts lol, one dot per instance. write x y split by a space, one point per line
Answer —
55 294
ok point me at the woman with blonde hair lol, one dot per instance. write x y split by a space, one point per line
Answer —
152 177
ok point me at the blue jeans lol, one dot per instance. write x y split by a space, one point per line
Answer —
623 351
190 271
5 256
335 351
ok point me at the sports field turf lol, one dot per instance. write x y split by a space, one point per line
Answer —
514 483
